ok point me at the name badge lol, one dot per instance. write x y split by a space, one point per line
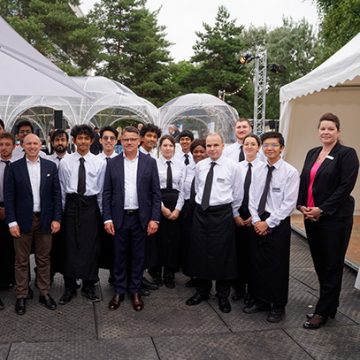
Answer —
329 157
276 189
220 180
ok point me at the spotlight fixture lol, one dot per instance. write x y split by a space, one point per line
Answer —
246 58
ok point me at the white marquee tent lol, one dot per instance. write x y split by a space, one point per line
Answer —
334 87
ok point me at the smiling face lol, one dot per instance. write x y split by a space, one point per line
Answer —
6 148
149 141
251 148
83 143
242 128
199 153
328 132
185 143
32 146
272 149
108 141
214 146
167 149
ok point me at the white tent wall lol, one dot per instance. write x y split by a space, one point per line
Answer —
299 122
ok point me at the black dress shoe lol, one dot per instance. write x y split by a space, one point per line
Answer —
276 314
309 316
255 307
196 299
2 306
20 306
116 301
137 302
48 302
169 282
224 305
315 322
191 283
67 297
248 299
30 294
149 285
89 293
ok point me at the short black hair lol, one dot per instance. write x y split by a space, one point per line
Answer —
2 124
273 135
196 143
57 133
186 133
109 128
150 128
82 129
22 124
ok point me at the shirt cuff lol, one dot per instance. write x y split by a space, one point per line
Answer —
12 224
108 221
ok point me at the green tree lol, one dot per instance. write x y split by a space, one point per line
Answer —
53 28
340 23
216 62
134 49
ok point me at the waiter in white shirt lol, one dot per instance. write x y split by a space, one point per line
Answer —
235 151
184 156
273 196
59 143
219 192
149 136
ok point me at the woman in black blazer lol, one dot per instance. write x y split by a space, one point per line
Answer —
328 177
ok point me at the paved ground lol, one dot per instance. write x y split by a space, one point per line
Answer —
168 329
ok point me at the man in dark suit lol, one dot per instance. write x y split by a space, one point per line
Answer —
131 210
33 211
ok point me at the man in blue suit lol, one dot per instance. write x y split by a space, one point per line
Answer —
32 200
131 210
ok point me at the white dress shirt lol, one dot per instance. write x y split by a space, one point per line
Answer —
233 151
227 186
283 192
2 169
178 177
152 153
103 156
34 174
55 157
95 172
189 176
130 188
180 157
244 167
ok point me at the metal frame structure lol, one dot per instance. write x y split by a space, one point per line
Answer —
260 87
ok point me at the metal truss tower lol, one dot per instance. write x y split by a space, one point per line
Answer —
260 87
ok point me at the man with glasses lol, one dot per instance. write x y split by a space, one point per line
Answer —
131 201
273 196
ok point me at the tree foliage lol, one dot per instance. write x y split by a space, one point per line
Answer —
53 29
134 49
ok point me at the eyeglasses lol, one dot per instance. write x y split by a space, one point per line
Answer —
111 138
129 139
274 146
25 132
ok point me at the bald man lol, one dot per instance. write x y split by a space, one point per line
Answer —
32 200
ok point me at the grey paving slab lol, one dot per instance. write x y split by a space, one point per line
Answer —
300 258
72 321
339 342
91 350
4 350
160 316
350 304
251 345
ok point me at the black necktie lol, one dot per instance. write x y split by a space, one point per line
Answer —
59 158
6 170
187 161
81 188
169 178
241 154
247 182
262 202
205 201
107 159
192 190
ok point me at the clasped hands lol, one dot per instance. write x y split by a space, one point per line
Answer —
310 213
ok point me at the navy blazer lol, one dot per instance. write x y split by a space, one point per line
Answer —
334 180
148 190
18 196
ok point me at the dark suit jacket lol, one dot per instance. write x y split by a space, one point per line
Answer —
18 196
334 180
148 190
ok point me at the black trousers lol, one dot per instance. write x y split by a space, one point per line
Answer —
328 240
203 287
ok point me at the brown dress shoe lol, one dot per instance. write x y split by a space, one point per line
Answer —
315 322
137 302
116 301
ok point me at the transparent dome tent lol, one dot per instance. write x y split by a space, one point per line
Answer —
200 113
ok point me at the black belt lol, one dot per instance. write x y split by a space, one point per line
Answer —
37 213
131 212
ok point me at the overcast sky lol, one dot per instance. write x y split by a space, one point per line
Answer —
183 17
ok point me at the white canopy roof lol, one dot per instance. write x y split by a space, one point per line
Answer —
25 71
341 68
190 109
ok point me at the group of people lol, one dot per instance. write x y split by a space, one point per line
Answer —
213 212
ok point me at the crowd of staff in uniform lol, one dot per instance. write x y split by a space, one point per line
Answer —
215 213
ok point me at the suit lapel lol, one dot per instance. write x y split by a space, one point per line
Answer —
328 161
27 176
122 172
42 176
140 170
